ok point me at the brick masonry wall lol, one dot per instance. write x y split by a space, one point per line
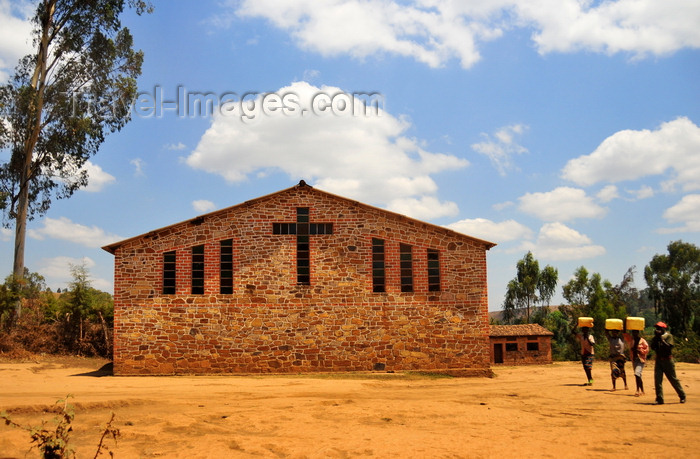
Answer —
522 356
271 324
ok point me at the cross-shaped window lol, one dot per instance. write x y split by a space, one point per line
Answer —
303 229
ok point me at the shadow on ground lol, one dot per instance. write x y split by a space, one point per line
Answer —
105 370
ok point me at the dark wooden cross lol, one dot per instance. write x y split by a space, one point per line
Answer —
303 229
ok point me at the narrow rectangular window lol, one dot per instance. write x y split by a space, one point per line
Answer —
303 247
169 273
198 270
433 270
511 347
534 346
226 267
378 269
406 259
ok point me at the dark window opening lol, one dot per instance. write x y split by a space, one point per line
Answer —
226 267
303 249
511 347
378 268
198 270
313 228
169 273
406 259
533 346
433 270
303 228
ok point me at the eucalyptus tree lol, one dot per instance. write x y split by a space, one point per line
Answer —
530 287
76 87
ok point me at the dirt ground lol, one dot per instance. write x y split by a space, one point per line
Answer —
535 411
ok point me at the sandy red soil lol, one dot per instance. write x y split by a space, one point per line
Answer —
535 411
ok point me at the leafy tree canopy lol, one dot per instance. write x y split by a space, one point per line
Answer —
674 285
63 99
531 286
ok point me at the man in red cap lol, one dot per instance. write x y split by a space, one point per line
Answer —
662 343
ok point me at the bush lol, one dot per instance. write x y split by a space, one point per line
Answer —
78 321
687 349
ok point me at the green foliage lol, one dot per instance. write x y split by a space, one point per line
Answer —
29 289
78 321
591 296
82 305
60 103
674 285
558 323
529 287
687 349
65 97
53 442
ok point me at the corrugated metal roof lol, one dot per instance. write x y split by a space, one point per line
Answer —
519 330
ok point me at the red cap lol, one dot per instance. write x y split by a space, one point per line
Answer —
661 325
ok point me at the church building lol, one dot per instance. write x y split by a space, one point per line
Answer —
300 281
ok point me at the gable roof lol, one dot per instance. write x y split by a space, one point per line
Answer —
111 248
519 330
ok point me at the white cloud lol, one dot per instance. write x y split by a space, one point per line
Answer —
686 213
366 157
561 204
57 272
98 178
59 267
482 228
15 34
311 74
639 27
426 33
608 193
501 149
6 234
644 192
203 206
436 31
66 230
557 241
138 164
631 155
175 146
503 205
427 207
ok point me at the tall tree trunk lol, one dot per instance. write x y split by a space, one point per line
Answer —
105 329
38 84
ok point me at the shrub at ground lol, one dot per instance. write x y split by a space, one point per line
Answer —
77 321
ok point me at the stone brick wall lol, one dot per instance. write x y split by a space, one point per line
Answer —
271 324
523 356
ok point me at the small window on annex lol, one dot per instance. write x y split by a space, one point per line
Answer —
533 346
169 273
378 269
511 347
406 259
198 270
226 267
433 270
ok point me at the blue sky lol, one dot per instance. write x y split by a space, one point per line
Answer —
568 128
